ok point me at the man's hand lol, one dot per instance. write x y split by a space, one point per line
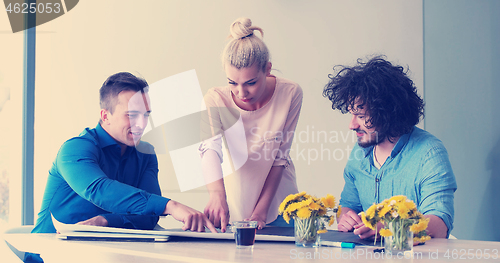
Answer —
94 221
348 220
192 219
365 232
261 220
217 211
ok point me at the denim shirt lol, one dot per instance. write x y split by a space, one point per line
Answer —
418 168
90 177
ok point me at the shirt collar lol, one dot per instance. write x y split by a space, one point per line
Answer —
403 140
367 150
103 137
106 140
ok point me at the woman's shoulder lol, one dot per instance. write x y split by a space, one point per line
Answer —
218 95
218 91
286 86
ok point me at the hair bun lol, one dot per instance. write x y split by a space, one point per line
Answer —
242 28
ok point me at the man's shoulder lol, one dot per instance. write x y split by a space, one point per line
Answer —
424 140
88 137
89 134
82 146
423 143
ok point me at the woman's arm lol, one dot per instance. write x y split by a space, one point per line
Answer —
281 161
216 209
266 195
210 151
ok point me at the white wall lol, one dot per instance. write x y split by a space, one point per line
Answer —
462 61
157 39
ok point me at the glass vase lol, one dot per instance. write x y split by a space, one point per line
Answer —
401 241
306 232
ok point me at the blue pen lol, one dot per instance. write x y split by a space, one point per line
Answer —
338 244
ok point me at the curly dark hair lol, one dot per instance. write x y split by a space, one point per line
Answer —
384 90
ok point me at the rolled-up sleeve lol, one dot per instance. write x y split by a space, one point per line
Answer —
283 155
438 186
211 126
350 197
214 143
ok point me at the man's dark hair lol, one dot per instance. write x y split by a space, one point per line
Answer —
385 91
117 83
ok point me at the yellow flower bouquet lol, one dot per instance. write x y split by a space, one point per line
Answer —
310 216
401 219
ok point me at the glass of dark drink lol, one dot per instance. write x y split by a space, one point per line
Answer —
244 233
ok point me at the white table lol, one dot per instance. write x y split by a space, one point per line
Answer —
207 250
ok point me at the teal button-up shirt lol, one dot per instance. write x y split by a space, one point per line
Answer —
89 177
418 168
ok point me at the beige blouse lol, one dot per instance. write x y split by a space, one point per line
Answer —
249 143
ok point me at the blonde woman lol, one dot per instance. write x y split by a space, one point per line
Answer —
268 108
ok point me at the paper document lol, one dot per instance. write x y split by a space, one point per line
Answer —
72 231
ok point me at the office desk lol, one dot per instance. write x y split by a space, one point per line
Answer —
207 250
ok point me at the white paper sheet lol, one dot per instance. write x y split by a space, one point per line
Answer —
72 230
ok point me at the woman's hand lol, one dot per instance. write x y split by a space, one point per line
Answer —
261 220
217 211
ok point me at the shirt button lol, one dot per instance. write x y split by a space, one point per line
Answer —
377 180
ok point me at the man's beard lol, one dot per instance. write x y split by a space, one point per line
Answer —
375 139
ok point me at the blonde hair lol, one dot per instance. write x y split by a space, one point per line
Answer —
245 48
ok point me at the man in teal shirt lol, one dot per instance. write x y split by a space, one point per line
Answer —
392 156
106 176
